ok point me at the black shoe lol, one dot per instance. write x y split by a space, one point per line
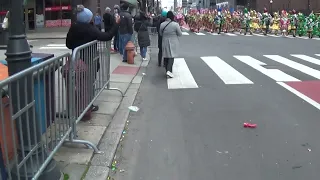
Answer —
94 108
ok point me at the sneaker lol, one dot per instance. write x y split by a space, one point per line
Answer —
169 74
144 59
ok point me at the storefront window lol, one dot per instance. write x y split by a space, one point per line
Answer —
57 13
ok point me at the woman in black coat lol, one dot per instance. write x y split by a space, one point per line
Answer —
141 27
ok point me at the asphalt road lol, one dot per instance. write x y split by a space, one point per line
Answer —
197 133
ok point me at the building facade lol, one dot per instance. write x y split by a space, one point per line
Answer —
277 5
54 13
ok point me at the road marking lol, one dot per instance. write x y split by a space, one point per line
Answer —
275 74
230 34
300 67
272 35
300 95
214 34
185 33
307 58
48 47
260 35
182 76
302 37
317 54
199 34
226 73
56 45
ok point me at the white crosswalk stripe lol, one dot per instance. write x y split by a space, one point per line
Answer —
54 47
200 34
231 75
227 73
185 33
182 76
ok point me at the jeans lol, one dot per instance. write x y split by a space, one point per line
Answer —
143 52
116 42
124 39
168 63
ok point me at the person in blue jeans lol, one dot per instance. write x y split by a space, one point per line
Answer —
141 27
125 30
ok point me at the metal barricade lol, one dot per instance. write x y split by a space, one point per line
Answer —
153 34
30 131
90 67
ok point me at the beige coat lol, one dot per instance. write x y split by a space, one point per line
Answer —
170 39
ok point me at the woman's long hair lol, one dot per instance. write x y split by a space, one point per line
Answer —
170 15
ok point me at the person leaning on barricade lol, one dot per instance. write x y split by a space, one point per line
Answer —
82 32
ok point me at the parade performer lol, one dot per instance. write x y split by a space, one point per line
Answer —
284 23
228 19
254 24
276 23
246 20
219 20
312 26
266 19
302 29
293 23
236 22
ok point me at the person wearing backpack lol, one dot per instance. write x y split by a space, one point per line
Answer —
141 27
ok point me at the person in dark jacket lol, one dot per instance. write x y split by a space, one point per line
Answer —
108 19
116 39
125 29
161 20
82 32
141 27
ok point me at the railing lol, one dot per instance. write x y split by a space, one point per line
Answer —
42 105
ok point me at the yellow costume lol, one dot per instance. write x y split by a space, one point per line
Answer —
276 23
255 21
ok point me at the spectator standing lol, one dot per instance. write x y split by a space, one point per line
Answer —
125 29
108 19
97 21
116 40
170 32
162 18
83 32
141 27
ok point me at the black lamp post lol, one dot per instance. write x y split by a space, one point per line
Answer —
19 58
271 2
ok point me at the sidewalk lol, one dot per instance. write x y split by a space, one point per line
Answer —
106 127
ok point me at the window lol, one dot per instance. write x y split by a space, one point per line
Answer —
57 13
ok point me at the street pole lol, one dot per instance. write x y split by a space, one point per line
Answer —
174 5
19 58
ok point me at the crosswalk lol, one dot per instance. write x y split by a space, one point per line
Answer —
229 74
247 35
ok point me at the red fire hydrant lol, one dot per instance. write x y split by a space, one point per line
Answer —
130 52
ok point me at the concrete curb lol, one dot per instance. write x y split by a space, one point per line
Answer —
101 163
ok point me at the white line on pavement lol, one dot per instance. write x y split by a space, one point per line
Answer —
307 58
275 74
48 47
300 95
56 45
300 67
226 73
200 34
182 76
230 34
185 33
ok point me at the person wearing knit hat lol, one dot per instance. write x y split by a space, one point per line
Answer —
84 15
82 32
